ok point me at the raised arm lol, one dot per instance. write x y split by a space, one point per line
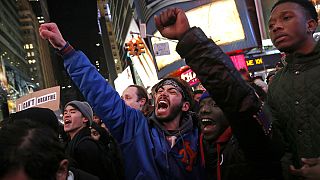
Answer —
245 112
123 122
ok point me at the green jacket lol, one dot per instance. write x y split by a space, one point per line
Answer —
294 100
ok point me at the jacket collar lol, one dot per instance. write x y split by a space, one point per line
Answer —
187 124
297 58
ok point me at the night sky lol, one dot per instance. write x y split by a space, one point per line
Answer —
77 20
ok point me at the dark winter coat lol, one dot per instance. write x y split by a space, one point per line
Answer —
245 112
294 98
85 154
82 175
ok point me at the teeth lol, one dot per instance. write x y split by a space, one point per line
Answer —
162 102
206 120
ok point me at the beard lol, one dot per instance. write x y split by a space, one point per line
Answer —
175 111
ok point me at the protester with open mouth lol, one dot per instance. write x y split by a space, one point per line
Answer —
220 150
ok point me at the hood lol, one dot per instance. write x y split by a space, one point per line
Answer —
188 122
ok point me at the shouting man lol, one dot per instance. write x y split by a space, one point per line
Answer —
163 147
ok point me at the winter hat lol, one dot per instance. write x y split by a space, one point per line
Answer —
83 107
41 116
204 95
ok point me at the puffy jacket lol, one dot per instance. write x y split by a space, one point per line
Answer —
247 116
146 152
294 98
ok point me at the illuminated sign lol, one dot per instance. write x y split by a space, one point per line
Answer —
223 27
190 77
262 62
252 62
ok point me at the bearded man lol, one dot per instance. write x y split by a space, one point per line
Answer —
165 146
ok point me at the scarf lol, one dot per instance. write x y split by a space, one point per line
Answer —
224 137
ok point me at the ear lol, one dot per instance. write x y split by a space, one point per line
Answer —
312 26
84 119
62 172
142 101
185 106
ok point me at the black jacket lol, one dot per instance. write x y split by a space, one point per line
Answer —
294 99
82 175
246 114
233 162
85 154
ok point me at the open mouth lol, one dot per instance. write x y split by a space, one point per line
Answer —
208 126
206 122
66 122
163 105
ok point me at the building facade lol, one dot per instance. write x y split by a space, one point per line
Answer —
38 53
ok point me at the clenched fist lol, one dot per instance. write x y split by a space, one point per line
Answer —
172 23
50 31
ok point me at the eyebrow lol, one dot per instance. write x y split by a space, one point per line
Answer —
172 88
70 109
281 14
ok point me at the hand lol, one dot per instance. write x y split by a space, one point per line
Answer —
51 32
310 169
172 23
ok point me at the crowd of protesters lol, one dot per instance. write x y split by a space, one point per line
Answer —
238 128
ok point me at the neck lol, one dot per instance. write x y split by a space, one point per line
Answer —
73 133
174 124
306 47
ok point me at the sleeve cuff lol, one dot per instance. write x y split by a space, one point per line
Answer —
65 50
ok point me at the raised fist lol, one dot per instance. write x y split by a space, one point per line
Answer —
172 23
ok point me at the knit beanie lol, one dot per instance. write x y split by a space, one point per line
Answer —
204 95
84 108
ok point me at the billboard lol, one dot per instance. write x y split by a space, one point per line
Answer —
231 29
46 98
262 62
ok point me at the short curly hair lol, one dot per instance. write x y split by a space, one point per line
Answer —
307 5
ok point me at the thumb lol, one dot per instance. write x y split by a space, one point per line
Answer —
158 23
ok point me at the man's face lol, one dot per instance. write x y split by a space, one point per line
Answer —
197 97
213 121
130 97
168 103
73 120
96 119
288 27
